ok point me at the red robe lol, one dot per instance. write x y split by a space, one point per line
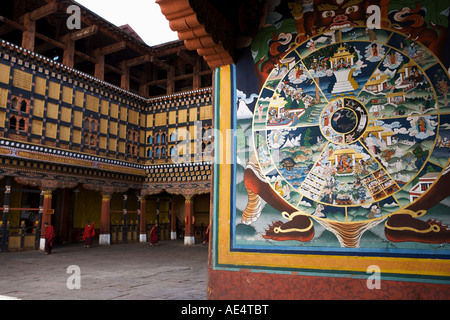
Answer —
89 231
50 234
154 236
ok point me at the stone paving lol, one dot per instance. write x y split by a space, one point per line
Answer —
135 271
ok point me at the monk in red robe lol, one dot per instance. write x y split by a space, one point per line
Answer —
154 235
89 233
49 237
206 237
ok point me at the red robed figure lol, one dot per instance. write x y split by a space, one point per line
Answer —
49 236
89 233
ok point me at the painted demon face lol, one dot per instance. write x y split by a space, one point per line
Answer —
336 14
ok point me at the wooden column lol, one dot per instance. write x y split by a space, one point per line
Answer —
69 43
189 221
125 78
157 210
46 214
196 81
143 88
105 220
100 67
142 219
173 220
170 81
61 220
69 51
4 222
124 219
29 33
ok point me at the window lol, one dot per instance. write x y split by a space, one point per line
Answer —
90 132
86 124
22 124
13 123
17 123
87 139
14 103
19 104
132 143
23 106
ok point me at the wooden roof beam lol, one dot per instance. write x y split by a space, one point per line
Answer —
83 33
114 69
177 78
161 64
44 11
12 24
111 31
186 57
115 47
86 57
41 12
139 60
50 41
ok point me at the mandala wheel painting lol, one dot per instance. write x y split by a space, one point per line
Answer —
349 132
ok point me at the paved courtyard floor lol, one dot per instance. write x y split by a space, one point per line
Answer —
135 271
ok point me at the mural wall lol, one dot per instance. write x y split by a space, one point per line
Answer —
343 135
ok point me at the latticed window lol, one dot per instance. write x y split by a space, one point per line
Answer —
14 103
22 124
90 127
23 106
13 123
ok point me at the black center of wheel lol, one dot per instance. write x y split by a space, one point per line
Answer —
344 120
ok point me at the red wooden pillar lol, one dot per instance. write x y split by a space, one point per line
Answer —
46 215
189 221
105 220
142 220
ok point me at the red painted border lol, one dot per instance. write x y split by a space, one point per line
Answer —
247 285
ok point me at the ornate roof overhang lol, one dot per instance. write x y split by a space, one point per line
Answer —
202 27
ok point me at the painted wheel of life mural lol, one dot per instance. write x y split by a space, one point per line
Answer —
350 133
